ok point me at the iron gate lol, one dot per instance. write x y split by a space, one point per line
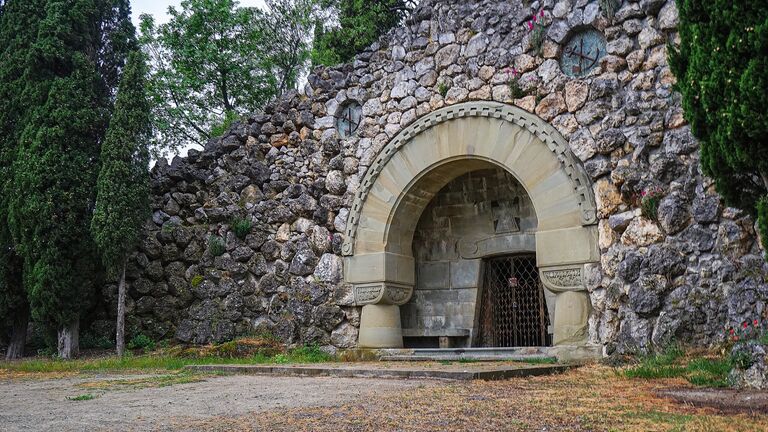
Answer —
512 310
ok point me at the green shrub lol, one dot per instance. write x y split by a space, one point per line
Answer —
242 227
90 341
443 88
142 342
196 281
309 354
216 245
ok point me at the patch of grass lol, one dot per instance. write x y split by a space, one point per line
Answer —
144 382
542 360
170 360
709 372
82 397
662 365
699 371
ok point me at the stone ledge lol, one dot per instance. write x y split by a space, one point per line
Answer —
466 374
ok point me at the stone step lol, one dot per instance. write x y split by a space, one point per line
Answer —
563 353
533 354
440 372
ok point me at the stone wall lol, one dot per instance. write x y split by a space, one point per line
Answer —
687 275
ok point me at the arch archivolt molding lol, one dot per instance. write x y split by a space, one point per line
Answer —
543 131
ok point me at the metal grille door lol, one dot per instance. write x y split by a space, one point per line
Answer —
513 310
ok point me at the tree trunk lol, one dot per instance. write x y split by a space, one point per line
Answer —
120 337
18 337
69 340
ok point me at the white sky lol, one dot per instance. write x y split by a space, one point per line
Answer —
158 8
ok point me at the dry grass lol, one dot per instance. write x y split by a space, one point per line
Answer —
143 382
594 398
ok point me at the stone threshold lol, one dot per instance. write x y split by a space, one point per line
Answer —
466 373
564 354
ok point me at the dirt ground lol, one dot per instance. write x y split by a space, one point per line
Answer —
137 403
592 398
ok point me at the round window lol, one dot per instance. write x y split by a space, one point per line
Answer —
582 52
348 118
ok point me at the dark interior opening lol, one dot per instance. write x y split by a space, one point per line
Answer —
513 312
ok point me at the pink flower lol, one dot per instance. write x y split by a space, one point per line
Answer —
755 322
541 14
530 25
745 324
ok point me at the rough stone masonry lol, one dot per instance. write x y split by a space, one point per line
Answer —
685 275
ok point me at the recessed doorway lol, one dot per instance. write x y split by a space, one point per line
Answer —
513 312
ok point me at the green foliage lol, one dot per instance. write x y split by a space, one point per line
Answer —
122 203
649 202
142 342
242 227
707 372
216 246
91 341
360 23
214 62
229 118
309 354
54 179
721 67
762 222
196 281
19 21
537 32
443 88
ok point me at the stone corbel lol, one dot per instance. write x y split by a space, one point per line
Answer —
563 278
382 293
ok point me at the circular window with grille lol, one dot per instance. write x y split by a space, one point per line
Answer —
348 118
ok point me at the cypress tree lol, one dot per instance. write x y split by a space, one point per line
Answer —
721 67
122 203
68 90
18 29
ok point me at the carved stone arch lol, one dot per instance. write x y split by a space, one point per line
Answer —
428 154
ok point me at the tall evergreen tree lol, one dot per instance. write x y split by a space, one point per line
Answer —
68 84
360 23
18 28
721 67
122 203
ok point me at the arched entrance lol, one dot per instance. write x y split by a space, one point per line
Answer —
427 156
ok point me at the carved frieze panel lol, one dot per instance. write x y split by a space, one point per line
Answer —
565 278
382 293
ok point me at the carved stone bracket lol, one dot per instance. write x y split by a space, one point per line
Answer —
382 293
563 278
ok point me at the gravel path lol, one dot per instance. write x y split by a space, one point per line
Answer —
42 405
